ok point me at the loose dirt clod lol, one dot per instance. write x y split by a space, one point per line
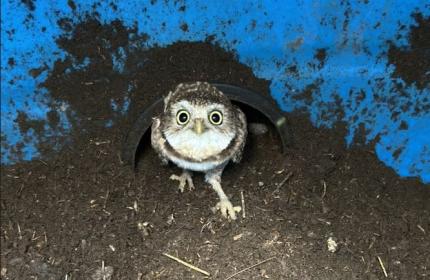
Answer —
257 128
332 245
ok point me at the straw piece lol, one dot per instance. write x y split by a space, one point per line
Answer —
187 264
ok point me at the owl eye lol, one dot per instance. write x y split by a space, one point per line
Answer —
215 117
182 117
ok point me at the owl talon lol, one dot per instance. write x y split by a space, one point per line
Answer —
227 209
183 180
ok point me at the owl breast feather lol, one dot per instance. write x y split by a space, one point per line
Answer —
199 147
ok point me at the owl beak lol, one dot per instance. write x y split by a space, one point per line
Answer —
199 126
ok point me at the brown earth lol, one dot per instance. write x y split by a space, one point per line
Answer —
80 208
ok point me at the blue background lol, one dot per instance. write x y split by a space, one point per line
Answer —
269 36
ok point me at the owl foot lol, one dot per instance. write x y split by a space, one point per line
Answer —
183 180
227 209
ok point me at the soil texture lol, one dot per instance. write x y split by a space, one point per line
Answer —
321 211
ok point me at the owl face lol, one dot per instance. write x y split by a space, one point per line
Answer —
197 125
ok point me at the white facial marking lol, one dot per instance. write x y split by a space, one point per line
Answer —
198 146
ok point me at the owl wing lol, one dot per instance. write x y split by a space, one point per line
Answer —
157 140
241 138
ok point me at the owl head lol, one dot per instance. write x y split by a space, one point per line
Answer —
198 121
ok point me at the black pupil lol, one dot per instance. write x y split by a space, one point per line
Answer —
216 118
183 117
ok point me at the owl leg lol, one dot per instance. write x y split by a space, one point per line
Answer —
183 180
224 205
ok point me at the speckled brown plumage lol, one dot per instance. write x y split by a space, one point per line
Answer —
208 151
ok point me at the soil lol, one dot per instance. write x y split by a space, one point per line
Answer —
413 63
80 209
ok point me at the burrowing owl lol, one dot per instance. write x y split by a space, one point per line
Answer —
200 130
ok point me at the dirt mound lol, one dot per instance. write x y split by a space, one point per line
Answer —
80 209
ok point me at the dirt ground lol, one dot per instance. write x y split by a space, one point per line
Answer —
80 214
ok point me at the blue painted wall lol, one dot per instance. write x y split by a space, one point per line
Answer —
269 36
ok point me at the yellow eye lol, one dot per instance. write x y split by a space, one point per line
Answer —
182 117
215 117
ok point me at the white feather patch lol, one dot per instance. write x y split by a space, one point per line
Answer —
199 147
195 166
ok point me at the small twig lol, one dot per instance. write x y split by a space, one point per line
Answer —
287 177
421 228
135 206
243 204
382 266
324 191
248 268
19 232
106 198
101 142
103 270
187 264
18 193
207 225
